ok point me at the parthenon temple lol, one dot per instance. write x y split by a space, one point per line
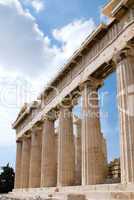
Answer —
63 155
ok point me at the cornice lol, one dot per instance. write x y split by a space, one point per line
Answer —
25 110
116 7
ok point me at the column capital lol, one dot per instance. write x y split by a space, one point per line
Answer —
91 82
36 128
65 111
18 141
66 103
27 135
51 115
75 95
123 54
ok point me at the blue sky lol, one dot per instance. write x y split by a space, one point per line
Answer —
37 37
59 13
109 124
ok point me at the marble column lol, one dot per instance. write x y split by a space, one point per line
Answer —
56 147
18 165
25 162
125 87
78 150
92 163
35 158
66 149
49 157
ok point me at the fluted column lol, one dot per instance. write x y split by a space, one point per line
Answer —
125 86
66 150
25 162
56 147
18 165
48 165
92 163
35 158
78 150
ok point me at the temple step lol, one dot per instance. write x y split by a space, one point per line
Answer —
91 195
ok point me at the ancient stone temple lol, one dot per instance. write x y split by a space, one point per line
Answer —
65 156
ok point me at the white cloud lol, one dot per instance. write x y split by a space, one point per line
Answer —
24 47
27 52
72 35
37 5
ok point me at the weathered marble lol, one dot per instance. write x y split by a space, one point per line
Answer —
125 84
92 161
35 158
66 149
48 165
78 150
18 165
25 162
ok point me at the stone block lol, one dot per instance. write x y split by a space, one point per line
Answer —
76 197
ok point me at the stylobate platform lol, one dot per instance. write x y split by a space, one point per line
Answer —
92 192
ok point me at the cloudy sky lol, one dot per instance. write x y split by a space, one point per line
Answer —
36 39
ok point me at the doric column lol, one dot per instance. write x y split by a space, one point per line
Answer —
66 150
125 86
92 163
48 165
78 150
18 165
35 158
56 146
25 162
